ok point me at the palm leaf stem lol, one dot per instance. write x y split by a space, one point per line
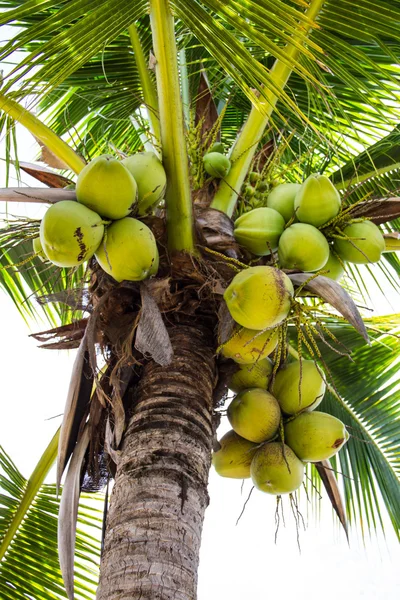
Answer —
246 144
34 483
149 91
55 144
177 198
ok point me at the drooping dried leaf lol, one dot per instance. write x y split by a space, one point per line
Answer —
336 296
65 336
226 324
76 407
378 211
36 195
77 299
49 158
151 335
68 513
45 175
215 229
206 111
331 485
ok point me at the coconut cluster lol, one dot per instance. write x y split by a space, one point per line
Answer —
274 429
100 224
294 224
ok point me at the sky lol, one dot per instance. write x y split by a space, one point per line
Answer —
237 562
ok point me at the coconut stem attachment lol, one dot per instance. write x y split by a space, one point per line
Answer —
149 91
246 144
43 133
178 198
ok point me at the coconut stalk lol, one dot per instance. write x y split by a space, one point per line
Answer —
246 144
149 92
178 197
43 133
157 506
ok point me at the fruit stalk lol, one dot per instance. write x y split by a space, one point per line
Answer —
43 133
246 144
178 198
149 92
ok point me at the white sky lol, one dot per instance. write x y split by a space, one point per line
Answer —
238 563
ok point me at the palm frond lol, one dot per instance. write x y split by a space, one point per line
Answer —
29 566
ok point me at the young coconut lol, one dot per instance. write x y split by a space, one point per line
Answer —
128 251
259 230
255 415
275 469
216 164
217 147
303 247
281 198
315 436
317 201
334 268
248 345
293 397
256 375
259 297
365 244
70 233
150 178
234 457
106 186
38 249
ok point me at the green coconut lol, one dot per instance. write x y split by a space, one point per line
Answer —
128 251
256 375
293 397
302 246
317 201
259 230
150 178
217 147
255 415
334 268
234 457
216 164
70 233
365 244
315 436
106 186
281 198
38 249
248 345
259 297
275 469
254 176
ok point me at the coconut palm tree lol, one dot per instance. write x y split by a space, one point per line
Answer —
290 89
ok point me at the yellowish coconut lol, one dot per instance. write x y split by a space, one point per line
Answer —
365 244
281 198
315 436
150 178
302 246
317 201
216 164
38 249
70 233
255 415
294 398
256 375
234 457
334 268
248 345
128 251
259 297
275 469
259 230
106 186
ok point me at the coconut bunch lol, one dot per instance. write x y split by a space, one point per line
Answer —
274 429
308 228
100 223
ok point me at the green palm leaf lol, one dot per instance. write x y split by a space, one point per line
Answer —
29 565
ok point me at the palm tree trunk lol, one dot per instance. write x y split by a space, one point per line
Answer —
160 494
